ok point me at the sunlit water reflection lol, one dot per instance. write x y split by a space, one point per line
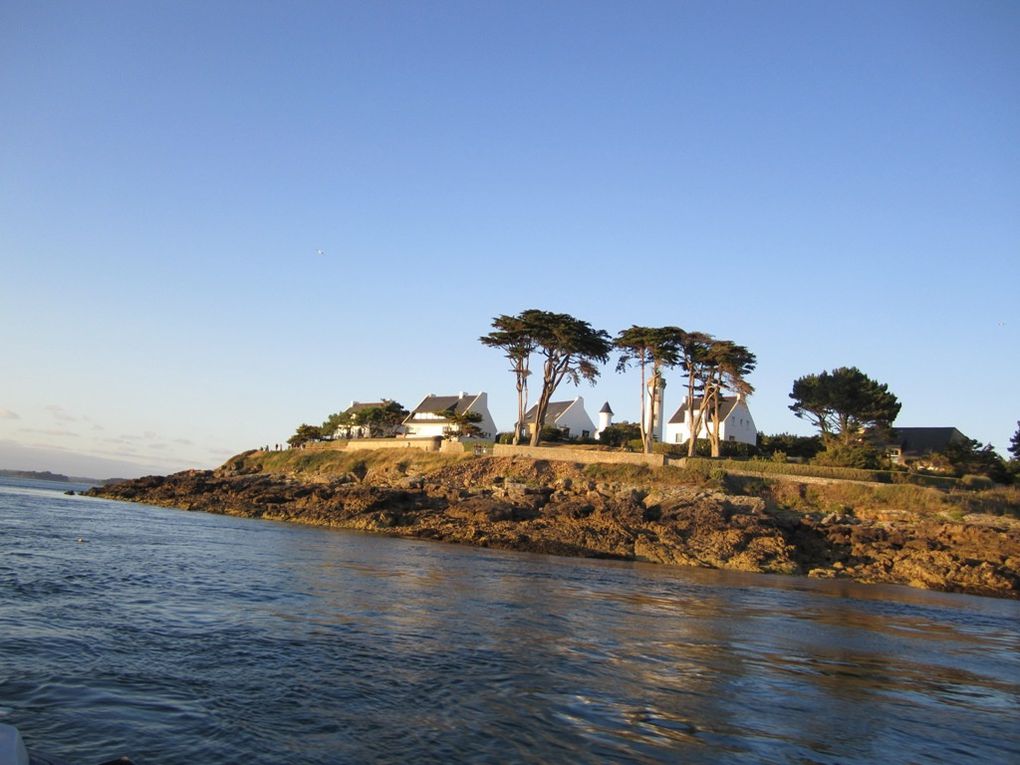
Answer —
179 638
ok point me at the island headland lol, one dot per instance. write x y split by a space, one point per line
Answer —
922 537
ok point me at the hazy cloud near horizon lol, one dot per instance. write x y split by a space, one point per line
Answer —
49 432
7 414
60 414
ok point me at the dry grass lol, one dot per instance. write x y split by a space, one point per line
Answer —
326 464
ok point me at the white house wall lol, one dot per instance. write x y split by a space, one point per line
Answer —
577 420
738 426
487 424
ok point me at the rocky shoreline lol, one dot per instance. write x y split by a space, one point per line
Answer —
558 508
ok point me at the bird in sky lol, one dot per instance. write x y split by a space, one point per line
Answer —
320 252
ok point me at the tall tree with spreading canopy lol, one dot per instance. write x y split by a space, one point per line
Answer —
695 362
568 348
844 404
726 368
1014 444
511 335
652 349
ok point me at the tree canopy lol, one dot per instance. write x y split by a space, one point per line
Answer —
304 434
462 423
713 367
377 420
568 348
844 404
652 349
512 335
1014 444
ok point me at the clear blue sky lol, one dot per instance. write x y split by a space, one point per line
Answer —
827 183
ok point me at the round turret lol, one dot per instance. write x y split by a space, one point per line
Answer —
605 418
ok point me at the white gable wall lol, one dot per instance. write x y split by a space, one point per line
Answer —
487 424
576 420
738 426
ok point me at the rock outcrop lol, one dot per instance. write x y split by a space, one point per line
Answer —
559 510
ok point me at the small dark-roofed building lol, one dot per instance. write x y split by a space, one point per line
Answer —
910 444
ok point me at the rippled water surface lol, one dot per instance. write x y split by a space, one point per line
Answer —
179 637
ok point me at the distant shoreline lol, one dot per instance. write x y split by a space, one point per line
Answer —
46 475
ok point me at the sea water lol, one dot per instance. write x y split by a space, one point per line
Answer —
177 637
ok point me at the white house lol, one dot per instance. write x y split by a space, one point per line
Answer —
427 419
737 423
568 416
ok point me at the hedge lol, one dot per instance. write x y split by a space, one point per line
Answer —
822 471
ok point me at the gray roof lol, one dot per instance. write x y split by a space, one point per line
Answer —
552 412
433 404
726 404
926 440
606 409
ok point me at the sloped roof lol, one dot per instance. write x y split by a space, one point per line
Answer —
726 404
606 409
553 412
432 404
926 440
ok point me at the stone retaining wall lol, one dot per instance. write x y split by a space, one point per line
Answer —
426 443
584 456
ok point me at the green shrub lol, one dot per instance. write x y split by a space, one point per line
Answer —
852 456
551 434
977 482
618 434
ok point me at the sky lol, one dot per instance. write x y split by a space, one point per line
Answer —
219 220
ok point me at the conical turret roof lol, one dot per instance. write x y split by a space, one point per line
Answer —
606 409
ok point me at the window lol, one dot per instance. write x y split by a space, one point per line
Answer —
585 434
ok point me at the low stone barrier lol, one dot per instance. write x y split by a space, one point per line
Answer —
426 443
584 456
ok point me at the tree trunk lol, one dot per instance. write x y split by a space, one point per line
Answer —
716 425
692 427
548 386
645 445
522 388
